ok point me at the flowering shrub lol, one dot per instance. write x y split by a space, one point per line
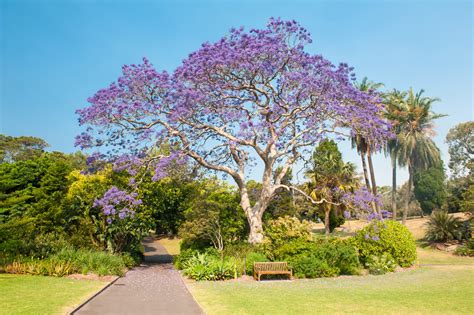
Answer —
123 229
386 237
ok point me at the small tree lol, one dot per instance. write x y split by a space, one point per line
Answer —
214 217
250 96
430 188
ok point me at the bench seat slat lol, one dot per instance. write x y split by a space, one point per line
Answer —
277 267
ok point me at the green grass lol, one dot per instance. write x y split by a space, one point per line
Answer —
23 294
171 245
424 291
428 256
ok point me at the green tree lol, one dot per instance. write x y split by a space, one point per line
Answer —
430 188
167 200
213 218
330 177
14 149
460 140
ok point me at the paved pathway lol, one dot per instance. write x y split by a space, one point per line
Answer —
155 287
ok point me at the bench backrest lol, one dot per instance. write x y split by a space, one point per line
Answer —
270 266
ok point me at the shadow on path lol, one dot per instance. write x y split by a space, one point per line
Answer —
154 287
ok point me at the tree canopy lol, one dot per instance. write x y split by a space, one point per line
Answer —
250 96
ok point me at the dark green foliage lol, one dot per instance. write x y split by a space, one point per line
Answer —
167 201
430 188
312 267
466 250
324 258
387 237
444 227
215 218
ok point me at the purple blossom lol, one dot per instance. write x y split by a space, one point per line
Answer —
249 91
117 201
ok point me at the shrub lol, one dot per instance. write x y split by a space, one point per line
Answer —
379 265
252 258
312 267
319 259
443 227
282 230
391 237
203 266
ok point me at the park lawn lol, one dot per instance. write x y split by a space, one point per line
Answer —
429 256
24 294
426 290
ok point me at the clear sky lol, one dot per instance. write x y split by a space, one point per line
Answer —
55 54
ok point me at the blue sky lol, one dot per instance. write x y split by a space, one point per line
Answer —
55 54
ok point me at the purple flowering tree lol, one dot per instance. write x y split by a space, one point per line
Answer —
250 96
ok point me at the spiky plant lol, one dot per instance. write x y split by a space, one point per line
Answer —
443 227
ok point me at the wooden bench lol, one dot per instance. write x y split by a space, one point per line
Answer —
271 268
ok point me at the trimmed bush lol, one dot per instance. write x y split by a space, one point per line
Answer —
386 237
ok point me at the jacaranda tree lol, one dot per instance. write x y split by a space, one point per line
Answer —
250 97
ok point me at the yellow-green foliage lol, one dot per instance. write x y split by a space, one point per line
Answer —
282 230
387 237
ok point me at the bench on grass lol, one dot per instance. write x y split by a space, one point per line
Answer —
271 268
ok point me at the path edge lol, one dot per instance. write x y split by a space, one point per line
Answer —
93 296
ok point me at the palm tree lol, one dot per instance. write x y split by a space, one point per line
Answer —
413 146
361 144
329 178
393 108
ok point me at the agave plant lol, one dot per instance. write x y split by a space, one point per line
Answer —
443 227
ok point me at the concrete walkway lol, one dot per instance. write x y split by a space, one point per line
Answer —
155 287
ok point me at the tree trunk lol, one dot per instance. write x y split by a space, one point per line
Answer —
366 174
256 228
372 177
327 220
408 196
394 188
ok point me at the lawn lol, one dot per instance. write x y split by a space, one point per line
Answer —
23 294
443 284
428 290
